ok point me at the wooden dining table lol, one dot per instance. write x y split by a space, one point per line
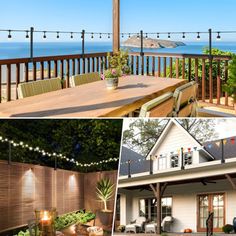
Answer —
93 99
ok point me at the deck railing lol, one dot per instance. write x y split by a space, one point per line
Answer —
15 71
210 72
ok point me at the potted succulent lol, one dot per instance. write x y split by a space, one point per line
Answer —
105 192
230 86
111 76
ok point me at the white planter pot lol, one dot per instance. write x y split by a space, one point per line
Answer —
112 83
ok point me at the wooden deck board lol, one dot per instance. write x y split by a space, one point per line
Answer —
92 100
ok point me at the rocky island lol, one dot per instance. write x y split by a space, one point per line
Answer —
135 42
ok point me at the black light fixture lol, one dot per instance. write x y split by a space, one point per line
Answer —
109 35
9 34
58 36
100 35
27 34
44 35
158 35
183 35
168 35
138 36
71 35
92 36
122 35
129 35
146 35
198 36
218 36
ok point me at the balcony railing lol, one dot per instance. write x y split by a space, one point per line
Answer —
210 72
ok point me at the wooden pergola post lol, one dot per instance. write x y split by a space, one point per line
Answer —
116 25
158 190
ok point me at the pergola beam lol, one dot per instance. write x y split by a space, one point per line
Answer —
231 181
116 25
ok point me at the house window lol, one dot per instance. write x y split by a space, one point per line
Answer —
166 209
148 209
188 158
174 160
162 163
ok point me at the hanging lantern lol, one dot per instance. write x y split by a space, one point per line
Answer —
225 141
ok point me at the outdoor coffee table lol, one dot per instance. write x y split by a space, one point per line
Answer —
93 99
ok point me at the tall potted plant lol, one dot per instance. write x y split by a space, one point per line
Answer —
230 86
105 191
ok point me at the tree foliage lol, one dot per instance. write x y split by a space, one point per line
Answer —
143 134
84 140
215 51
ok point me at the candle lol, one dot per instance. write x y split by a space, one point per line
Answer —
46 220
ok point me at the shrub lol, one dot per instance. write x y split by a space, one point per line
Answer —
227 228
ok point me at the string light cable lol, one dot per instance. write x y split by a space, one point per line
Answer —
54 154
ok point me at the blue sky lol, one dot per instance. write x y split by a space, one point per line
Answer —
96 15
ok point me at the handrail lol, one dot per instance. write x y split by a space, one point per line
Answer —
50 58
182 55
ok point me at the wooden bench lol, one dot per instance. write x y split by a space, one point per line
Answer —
77 80
38 87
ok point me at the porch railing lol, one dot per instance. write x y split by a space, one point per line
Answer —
15 71
210 72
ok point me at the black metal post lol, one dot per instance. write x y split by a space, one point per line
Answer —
9 153
182 159
151 166
55 168
222 152
31 43
83 41
129 171
141 49
210 43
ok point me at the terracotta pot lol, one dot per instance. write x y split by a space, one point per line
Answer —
104 219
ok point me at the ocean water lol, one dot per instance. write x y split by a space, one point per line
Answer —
21 50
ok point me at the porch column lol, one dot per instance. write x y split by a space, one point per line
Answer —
158 195
116 25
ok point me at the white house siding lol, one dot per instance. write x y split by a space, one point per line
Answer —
173 141
184 208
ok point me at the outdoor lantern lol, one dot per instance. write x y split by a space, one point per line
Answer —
45 219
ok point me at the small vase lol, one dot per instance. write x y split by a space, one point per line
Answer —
112 83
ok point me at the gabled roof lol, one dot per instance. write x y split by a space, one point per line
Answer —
216 150
166 131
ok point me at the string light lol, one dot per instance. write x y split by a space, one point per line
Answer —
129 35
218 36
198 36
146 35
183 35
158 35
109 35
71 35
92 36
58 155
9 35
168 35
44 35
100 35
138 36
27 34
58 36
122 35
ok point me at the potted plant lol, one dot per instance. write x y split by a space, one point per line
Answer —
230 86
227 228
120 60
111 77
105 192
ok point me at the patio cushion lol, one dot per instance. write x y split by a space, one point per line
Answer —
183 96
38 87
159 107
84 79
